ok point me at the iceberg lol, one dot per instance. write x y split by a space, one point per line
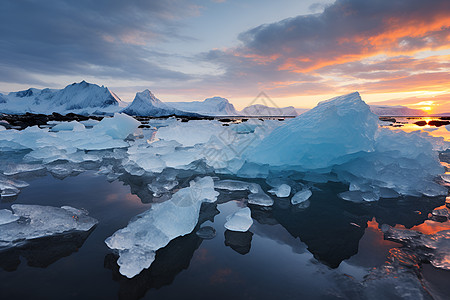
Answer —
215 106
266 111
35 221
321 137
341 135
239 221
155 228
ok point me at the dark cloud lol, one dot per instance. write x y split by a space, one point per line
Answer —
351 29
308 49
101 38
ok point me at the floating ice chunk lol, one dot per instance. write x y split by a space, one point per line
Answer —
90 123
236 185
282 191
321 137
240 220
40 221
441 214
191 133
301 196
22 168
206 233
2 128
69 126
358 196
434 248
118 127
155 228
161 186
446 177
260 198
6 216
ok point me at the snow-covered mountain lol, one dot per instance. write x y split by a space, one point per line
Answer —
215 106
263 110
81 98
396 111
146 104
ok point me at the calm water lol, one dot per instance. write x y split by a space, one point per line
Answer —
289 253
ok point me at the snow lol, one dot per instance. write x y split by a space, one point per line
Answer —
155 228
215 106
82 98
41 221
301 196
263 110
146 104
239 221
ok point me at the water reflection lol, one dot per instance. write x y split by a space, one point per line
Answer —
169 262
43 252
241 242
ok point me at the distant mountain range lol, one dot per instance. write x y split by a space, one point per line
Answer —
396 111
90 99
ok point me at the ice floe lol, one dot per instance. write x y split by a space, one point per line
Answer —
155 228
240 220
36 221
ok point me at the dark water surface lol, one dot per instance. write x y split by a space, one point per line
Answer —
289 253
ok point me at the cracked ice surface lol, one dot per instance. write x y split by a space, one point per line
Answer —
155 228
27 222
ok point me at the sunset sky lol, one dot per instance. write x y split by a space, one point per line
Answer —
394 52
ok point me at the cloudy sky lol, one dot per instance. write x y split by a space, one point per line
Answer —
298 52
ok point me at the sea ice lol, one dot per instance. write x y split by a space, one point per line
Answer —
155 228
39 221
240 220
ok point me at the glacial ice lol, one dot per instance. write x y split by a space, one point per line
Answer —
155 228
35 221
240 220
